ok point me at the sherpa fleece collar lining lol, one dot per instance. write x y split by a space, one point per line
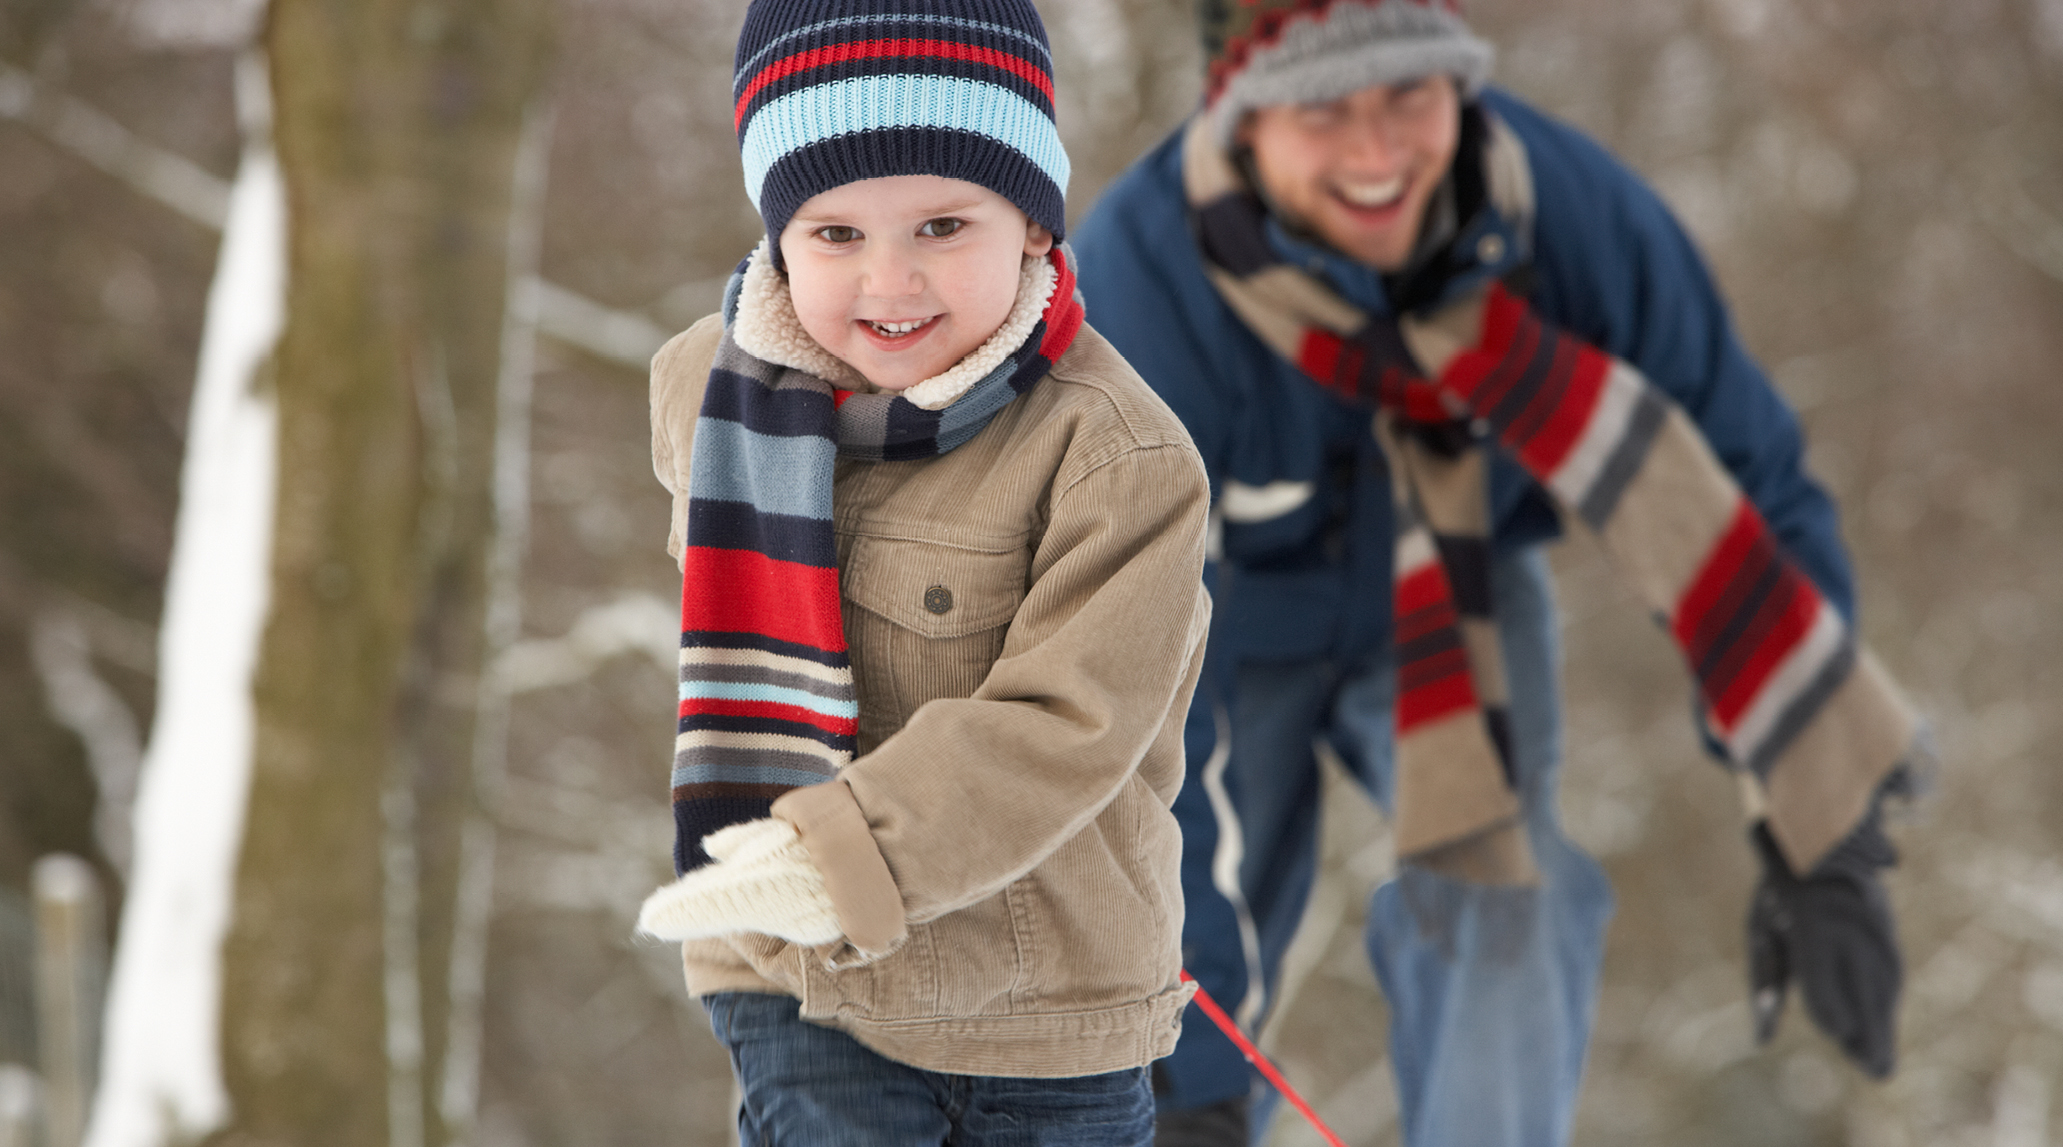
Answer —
766 327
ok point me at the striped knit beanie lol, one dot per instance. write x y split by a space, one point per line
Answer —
829 92
1263 52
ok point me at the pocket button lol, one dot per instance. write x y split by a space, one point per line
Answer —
938 599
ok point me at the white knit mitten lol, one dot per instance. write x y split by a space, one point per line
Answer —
762 881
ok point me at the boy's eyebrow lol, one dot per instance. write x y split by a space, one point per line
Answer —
931 211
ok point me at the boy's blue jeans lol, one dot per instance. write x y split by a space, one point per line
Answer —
811 1086
1491 990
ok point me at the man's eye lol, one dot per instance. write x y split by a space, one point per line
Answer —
838 234
941 228
1321 115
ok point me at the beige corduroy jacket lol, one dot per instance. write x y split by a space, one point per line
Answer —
1026 619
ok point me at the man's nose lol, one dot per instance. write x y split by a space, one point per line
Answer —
1371 138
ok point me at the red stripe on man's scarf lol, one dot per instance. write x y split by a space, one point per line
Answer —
1341 365
1437 686
1553 421
743 591
1711 610
1554 417
1331 360
883 49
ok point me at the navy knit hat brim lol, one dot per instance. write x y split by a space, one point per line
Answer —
831 92
954 154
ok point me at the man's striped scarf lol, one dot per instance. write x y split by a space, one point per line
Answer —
766 693
1795 703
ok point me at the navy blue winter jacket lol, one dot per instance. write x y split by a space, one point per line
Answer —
1610 265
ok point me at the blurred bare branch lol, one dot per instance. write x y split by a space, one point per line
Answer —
90 134
631 623
61 648
2030 231
622 337
625 338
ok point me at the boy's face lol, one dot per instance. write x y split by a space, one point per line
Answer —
1359 171
902 276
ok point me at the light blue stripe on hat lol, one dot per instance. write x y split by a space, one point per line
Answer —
772 694
873 103
787 475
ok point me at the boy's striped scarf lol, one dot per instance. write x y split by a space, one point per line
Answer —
1796 705
766 693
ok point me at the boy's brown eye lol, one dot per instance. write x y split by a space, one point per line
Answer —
940 228
838 234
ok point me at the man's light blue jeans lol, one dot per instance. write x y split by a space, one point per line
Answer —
1491 990
811 1086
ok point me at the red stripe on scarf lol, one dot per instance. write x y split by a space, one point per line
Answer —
1436 686
794 714
1322 356
882 49
1453 693
744 591
1567 413
1715 595
1064 315
1503 316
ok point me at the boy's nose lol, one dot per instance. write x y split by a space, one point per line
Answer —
892 274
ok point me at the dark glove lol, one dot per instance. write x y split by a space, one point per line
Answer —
1832 933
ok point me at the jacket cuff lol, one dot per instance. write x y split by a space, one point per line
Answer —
863 894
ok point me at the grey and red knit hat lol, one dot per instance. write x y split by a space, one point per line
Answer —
1263 52
829 92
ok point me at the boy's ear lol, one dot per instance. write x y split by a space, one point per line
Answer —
1037 240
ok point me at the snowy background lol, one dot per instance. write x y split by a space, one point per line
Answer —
1879 187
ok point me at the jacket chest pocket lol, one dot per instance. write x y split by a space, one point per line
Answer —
924 620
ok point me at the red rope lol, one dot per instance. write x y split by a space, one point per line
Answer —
1253 1056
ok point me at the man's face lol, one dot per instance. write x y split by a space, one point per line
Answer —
1359 171
904 275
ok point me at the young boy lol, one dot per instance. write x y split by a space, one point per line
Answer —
942 611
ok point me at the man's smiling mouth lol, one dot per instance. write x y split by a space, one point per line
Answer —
1371 196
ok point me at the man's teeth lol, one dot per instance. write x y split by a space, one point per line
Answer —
1372 194
901 328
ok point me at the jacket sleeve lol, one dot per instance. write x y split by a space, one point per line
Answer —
680 372
973 793
1616 268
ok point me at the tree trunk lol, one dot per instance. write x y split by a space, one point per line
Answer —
397 127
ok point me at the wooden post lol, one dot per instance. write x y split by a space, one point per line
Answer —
71 968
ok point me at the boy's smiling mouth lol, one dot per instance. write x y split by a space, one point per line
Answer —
896 330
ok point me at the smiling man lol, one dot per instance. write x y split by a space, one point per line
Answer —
1414 326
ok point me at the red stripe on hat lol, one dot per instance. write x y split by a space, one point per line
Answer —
744 591
793 714
881 49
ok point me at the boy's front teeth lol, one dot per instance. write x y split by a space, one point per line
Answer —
901 328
